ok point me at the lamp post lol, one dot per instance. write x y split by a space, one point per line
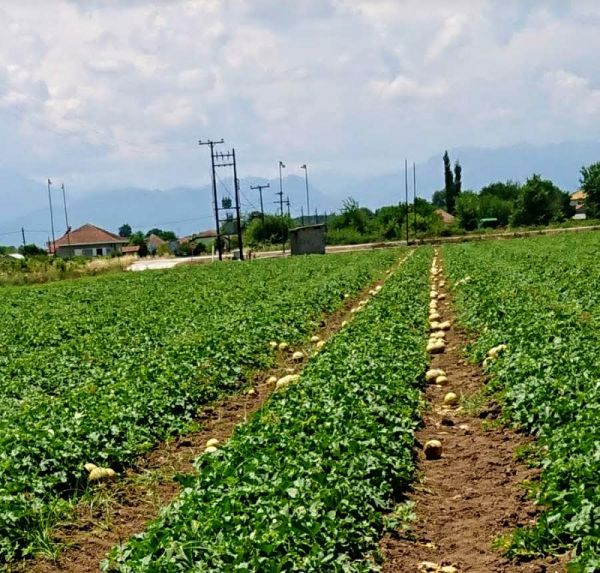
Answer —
66 215
51 218
281 166
306 181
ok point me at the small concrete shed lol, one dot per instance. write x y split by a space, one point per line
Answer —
308 240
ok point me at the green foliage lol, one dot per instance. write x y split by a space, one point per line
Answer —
491 206
590 183
164 235
508 191
539 203
139 239
452 184
32 250
467 210
274 230
125 230
449 184
439 199
457 179
303 486
99 370
540 297
352 216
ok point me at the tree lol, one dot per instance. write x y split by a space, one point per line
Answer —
491 206
138 239
508 191
539 203
164 235
439 199
467 210
448 184
274 229
457 179
31 250
590 183
125 230
353 216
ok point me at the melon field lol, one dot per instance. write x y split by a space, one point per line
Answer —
100 370
331 471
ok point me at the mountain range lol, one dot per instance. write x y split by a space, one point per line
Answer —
23 202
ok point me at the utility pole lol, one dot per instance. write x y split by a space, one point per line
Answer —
287 202
281 166
23 234
228 160
302 214
406 190
212 144
415 198
260 190
51 218
306 181
66 216
237 206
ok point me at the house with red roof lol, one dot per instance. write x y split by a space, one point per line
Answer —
87 241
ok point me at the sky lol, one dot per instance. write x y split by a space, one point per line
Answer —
118 92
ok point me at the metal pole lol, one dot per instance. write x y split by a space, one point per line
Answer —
237 206
51 218
281 165
23 234
406 190
415 197
66 216
302 214
306 181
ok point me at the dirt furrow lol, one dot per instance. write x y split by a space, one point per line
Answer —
470 500
114 512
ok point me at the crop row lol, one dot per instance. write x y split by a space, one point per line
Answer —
303 486
540 297
99 370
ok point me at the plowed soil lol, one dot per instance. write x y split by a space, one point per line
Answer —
476 493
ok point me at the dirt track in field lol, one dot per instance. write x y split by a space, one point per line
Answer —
475 493
123 509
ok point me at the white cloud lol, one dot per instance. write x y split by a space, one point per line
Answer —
448 35
405 88
127 87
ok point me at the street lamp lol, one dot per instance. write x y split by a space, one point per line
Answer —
306 181
51 219
281 166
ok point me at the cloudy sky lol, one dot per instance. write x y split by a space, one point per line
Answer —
118 92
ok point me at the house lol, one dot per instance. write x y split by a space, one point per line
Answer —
131 250
154 242
446 218
87 241
204 237
578 201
